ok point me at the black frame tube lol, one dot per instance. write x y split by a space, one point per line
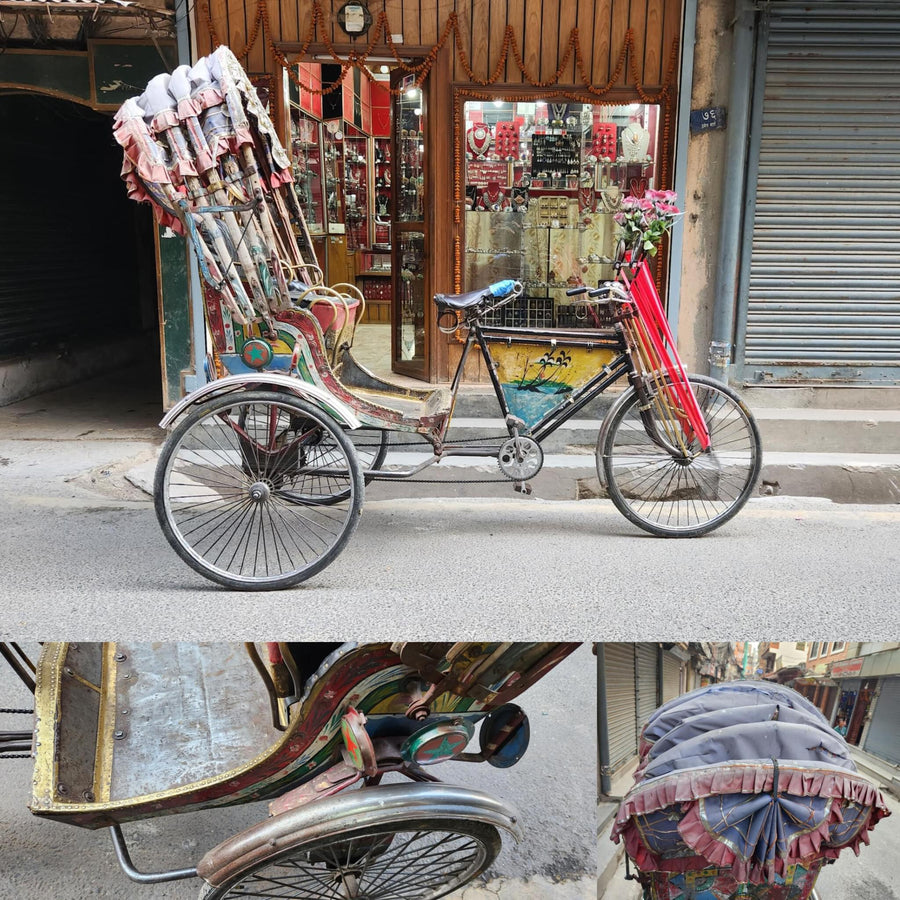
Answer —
16 665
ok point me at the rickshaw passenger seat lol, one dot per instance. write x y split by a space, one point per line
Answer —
194 711
307 657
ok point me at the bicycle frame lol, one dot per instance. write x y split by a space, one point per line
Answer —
627 336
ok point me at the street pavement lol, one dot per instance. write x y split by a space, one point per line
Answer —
554 788
84 558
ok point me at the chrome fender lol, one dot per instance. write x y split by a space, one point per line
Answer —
259 380
350 810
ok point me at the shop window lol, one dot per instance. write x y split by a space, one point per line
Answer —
543 181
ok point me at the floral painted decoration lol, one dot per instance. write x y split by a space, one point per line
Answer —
644 220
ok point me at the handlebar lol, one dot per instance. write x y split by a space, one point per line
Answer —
583 289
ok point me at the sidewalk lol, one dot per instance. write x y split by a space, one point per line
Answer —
112 422
611 873
885 774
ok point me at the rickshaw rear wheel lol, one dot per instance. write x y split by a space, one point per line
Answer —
258 490
422 859
688 496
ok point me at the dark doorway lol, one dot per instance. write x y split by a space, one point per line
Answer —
78 274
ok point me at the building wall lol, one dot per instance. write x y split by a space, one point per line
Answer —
705 177
629 51
542 30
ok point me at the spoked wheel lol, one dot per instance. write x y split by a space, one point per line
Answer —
258 490
419 860
692 494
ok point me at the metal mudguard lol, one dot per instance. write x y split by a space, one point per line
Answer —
260 381
349 811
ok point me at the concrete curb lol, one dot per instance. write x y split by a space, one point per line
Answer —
841 478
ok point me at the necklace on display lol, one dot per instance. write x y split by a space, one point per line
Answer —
478 139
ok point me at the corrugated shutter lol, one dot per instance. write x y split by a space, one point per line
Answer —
646 672
620 703
824 286
671 677
883 737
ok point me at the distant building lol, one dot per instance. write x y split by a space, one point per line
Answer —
857 686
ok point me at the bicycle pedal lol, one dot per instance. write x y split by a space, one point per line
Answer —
524 488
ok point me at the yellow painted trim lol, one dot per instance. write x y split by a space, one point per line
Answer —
106 725
46 706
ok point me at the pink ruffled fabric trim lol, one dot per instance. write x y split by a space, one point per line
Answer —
686 787
189 106
133 137
279 177
164 119
207 97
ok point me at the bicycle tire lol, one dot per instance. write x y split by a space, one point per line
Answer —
294 525
325 860
681 498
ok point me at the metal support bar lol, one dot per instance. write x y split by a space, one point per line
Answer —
736 154
124 858
16 665
602 724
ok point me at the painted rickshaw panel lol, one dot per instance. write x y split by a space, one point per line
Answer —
719 884
370 678
535 378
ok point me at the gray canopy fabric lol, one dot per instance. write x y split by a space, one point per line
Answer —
748 777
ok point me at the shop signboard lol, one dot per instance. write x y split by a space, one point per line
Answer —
847 668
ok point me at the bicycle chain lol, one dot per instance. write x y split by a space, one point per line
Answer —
18 712
424 444
15 756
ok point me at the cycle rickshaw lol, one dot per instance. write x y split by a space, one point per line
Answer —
261 481
743 790
129 731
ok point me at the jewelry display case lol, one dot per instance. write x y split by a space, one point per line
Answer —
358 201
543 181
409 240
306 154
333 165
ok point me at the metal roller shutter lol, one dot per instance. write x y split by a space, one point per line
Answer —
824 279
671 677
883 738
620 700
646 672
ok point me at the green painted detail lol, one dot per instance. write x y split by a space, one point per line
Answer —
256 353
354 751
435 743
176 314
52 73
122 70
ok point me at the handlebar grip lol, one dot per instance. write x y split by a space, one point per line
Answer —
596 292
571 292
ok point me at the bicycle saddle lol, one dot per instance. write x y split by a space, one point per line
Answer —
473 298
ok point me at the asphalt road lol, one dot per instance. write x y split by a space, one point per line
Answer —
553 786
83 557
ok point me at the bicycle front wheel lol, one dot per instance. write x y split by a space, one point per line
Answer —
258 490
420 860
684 496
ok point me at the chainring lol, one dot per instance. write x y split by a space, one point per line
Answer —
520 458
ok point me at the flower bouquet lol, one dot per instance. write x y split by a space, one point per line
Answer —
644 220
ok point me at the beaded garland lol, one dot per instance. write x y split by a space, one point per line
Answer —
319 26
382 31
